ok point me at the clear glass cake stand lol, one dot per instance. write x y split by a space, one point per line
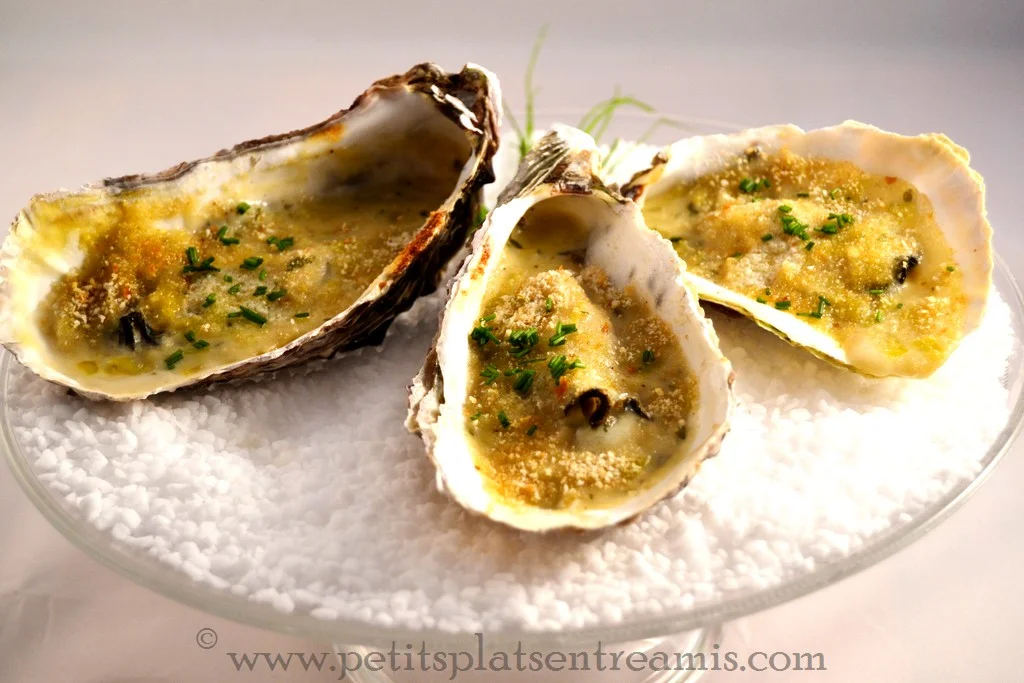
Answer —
693 630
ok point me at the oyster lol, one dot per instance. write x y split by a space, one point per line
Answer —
867 248
574 381
261 256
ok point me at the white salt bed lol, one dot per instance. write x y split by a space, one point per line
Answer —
304 491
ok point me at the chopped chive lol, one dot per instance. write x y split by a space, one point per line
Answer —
252 316
810 245
951 268
190 336
549 304
899 306
489 373
503 419
200 344
828 229
242 208
876 292
767 237
785 208
524 381
192 254
834 194
476 416
768 291
488 318
761 300
228 278
736 255
235 314
304 314
782 305
211 299
263 275
481 335
803 194
259 291
512 371
272 239
195 265
878 317
174 359
276 294
252 262
648 356
522 341
228 241
532 430
285 242
748 185
561 330
559 365
234 289
222 232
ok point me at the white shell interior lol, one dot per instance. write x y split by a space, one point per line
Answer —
630 253
35 254
932 163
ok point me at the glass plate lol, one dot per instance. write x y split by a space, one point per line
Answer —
163 579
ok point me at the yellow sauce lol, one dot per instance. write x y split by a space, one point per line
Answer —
278 270
856 255
534 437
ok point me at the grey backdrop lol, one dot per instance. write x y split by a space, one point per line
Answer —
89 89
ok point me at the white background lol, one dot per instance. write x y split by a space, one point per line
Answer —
94 89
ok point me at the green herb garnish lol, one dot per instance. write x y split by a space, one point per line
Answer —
748 185
234 289
476 416
259 291
304 314
481 335
767 237
561 330
263 275
488 318
200 344
252 262
228 278
876 292
951 268
222 236
174 359
559 365
532 430
785 208
792 226
549 304
503 419
834 194
803 194
211 299
490 373
523 340
242 208
276 294
817 313
194 265
252 316
190 336
878 316
782 305
524 381
761 300
525 134
810 245
284 242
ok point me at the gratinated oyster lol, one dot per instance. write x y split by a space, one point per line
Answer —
869 249
264 255
574 381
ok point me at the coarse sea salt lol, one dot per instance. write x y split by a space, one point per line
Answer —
304 492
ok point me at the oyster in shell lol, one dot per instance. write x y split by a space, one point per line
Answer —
261 256
574 381
867 248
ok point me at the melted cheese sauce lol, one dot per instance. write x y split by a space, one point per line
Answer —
231 280
856 255
528 407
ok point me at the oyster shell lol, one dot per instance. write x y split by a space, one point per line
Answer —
869 249
304 243
574 319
